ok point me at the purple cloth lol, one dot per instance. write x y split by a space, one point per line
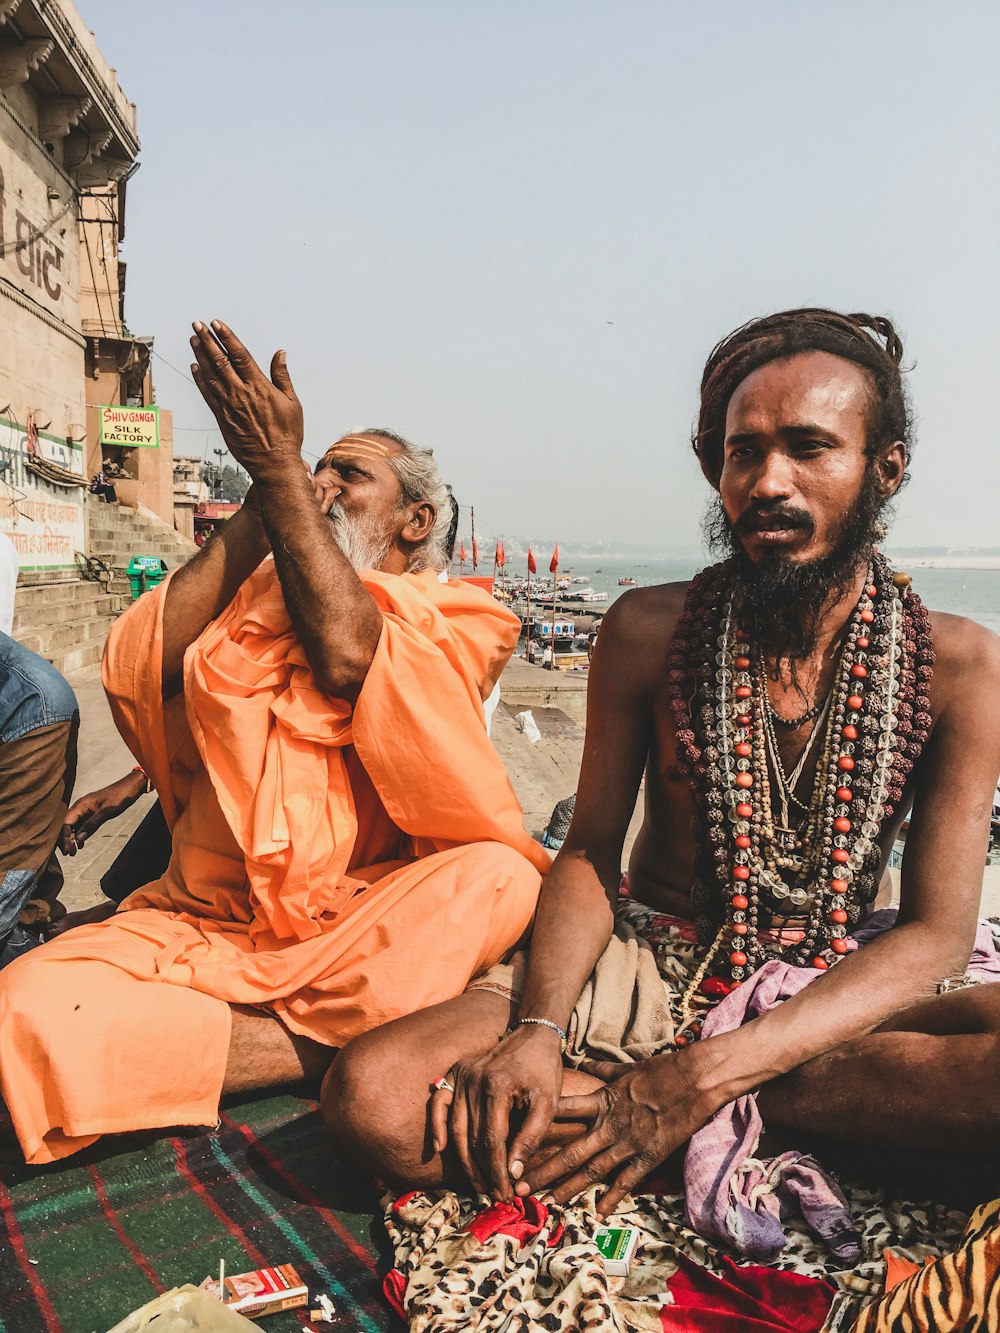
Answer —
984 961
742 1202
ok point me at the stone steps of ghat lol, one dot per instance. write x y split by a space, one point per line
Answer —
67 619
57 604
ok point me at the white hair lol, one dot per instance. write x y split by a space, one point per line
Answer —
420 482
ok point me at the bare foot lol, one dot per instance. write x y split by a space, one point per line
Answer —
85 918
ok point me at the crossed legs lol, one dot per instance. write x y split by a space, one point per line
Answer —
264 1054
376 1094
926 1080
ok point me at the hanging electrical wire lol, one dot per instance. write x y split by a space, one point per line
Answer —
93 278
16 247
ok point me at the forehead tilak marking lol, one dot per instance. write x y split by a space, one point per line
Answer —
357 446
366 442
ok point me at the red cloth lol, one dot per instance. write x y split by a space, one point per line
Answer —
523 1219
394 1289
751 1299
532 567
554 562
716 988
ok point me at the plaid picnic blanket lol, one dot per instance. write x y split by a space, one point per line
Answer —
85 1242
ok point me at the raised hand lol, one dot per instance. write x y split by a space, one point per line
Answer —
260 418
643 1113
502 1107
86 815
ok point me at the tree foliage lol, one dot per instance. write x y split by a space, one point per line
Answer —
226 483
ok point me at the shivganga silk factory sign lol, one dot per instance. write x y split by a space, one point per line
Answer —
130 427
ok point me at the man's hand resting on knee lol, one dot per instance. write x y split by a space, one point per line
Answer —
642 1114
502 1108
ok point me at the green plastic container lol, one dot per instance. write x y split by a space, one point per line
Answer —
145 572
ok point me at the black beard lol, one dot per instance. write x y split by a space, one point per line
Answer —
779 602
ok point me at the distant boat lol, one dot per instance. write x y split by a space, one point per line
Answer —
628 583
582 578
586 595
565 631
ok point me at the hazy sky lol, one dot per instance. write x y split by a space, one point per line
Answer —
513 230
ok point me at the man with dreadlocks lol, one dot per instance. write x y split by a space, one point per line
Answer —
788 707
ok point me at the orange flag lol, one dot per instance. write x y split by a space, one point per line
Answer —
554 562
461 552
475 554
532 567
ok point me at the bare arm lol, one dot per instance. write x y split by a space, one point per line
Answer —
261 421
656 1105
336 620
206 585
941 888
575 914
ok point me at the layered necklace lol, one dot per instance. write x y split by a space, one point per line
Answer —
762 853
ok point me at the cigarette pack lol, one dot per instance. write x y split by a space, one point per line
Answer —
265 1291
616 1246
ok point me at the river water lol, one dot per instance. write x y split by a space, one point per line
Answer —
965 592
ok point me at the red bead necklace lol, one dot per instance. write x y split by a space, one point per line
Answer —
877 723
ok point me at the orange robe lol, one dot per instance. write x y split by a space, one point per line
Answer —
338 867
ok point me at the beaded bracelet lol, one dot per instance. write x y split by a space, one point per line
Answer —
544 1023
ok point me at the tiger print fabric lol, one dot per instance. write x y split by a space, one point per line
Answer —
959 1291
446 1280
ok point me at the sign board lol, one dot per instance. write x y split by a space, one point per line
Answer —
43 520
129 427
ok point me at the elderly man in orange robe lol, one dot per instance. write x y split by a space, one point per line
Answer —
346 845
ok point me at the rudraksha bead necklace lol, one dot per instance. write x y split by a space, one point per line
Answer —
874 724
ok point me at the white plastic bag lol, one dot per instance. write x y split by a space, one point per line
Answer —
526 723
185 1309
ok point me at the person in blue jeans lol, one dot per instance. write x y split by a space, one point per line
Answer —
39 722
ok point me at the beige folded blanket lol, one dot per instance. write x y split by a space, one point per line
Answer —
624 1011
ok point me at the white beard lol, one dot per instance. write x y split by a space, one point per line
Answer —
363 541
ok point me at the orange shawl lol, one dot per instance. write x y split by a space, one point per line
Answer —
256 742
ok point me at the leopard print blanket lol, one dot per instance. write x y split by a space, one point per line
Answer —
540 1267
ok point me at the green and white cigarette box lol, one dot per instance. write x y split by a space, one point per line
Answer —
616 1246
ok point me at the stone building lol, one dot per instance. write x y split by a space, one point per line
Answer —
190 491
68 146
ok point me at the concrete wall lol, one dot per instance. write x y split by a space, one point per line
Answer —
67 144
66 131
41 347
